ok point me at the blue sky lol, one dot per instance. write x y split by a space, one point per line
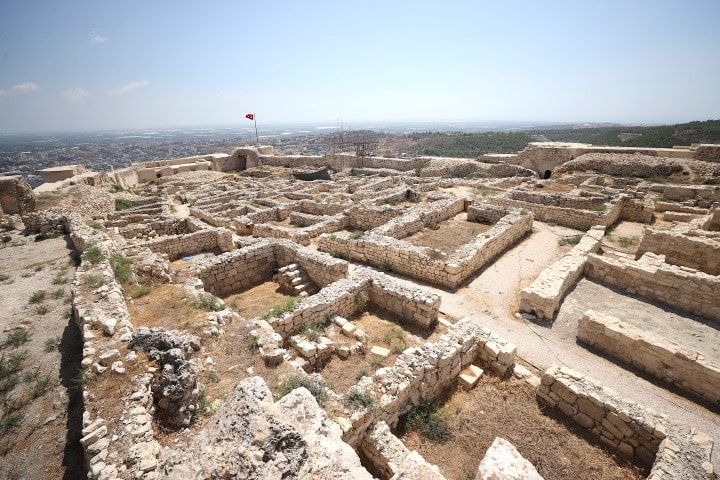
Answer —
109 64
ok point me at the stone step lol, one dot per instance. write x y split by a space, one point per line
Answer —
300 288
296 281
469 377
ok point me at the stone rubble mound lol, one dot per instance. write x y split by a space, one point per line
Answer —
175 386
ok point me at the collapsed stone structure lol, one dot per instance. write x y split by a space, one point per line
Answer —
341 240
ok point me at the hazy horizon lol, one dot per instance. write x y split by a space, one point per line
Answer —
84 65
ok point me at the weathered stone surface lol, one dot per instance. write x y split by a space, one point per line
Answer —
16 196
502 461
253 438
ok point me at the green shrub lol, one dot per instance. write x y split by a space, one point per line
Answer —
16 337
421 166
58 293
312 331
122 204
52 344
425 419
252 342
60 279
42 309
628 241
356 234
94 281
573 240
93 254
600 207
284 307
361 301
9 422
95 225
38 296
360 399
209 303
297 381
4 276
121 266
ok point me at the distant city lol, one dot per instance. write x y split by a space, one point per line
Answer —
26 154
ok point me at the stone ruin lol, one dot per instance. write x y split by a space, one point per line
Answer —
344 245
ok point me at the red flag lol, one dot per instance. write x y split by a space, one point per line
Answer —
250 116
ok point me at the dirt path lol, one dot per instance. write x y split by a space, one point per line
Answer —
40 404
491 298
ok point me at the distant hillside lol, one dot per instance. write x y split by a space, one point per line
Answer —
661 137
471 145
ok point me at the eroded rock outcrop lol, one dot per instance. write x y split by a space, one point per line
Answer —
16 196
253 438
175 387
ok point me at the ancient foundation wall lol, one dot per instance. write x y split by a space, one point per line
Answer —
235 271
708 153
700 253
320 267
658 356
567 217
681 287
674 450
558 200
216 239
543 296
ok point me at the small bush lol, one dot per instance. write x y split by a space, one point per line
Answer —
252 342
203 404
121 266
296 381
284 307
41 385
4 276
628 241
361 301
574 240
386 267
94 281
8 383
600 207
16 338
60 279
361 373
95 225
93 255
12 364
38 296
83 377
421 166
122 204
486 192
209 303
360 399
425 419
312 331
523 212
42 309
52 344
116 188
356 234
138 290
434 226
9 422
58 294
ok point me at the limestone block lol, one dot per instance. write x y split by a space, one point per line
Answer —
470 376
502 461
379 351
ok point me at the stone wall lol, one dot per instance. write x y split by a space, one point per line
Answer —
403 257
651 277
543 296
236 271
708 153
16 196
700 253
662 358
339 299
216 239
567 217
674 450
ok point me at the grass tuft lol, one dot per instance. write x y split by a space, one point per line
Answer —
297 381
284 307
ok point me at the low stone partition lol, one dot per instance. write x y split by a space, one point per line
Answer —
216 239
700 253
235 271
420 262
368 217
583 201
674 450
662 358
340 299
391 458
543 296
417 218
681 287
567 217
301 235
680 208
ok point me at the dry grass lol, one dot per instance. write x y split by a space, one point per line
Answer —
169 307
451 234
256 300
508 409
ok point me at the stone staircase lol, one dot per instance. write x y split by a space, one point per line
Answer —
293 279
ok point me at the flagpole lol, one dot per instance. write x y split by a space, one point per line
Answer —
257 139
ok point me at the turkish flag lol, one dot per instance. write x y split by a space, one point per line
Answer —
250 116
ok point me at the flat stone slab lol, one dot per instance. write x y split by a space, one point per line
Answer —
379 351
470 376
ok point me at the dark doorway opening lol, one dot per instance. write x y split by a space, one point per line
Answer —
242 162
547 175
